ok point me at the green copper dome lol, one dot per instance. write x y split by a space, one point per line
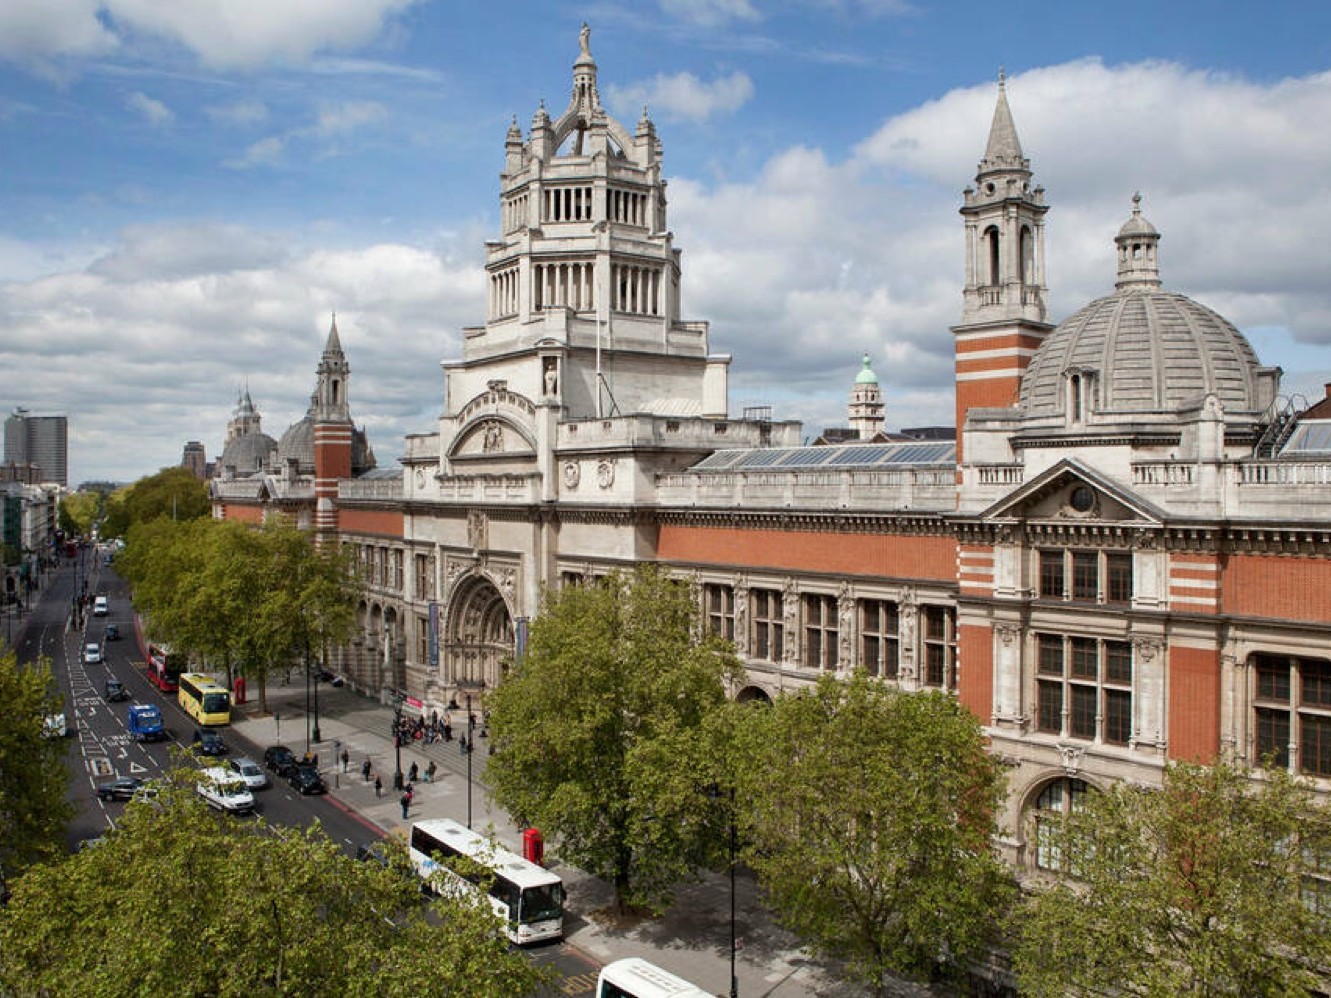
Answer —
866 375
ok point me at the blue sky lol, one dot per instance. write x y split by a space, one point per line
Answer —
189 189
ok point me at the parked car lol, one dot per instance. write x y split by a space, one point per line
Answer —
280 760
306 780
115 691
92 653
249 771
122 788
112 632
208 742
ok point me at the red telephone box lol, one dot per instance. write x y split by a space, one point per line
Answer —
238 689
533 846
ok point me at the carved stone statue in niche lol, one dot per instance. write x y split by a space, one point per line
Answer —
477 525
790 615
550 377
494 437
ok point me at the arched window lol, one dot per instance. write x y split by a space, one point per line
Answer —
1074 398
1059 799
991 240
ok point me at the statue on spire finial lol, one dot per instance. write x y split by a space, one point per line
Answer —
585 40
1002 78
1137 203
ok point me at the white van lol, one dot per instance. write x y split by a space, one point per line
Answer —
636 978
224 790
99 607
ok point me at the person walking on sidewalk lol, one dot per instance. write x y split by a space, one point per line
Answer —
378 786
406 803
365 769
346 760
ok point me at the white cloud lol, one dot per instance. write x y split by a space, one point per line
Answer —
684 96
224 34
265 152
710 13
153 111
343 118
239 114
38 31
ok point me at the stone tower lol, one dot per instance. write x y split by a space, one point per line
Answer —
866 403
331 416
1003 312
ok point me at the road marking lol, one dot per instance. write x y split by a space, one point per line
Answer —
100 765
134 767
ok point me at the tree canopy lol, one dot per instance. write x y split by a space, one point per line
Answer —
616 673
33 777
241 598
1198 888
172 493
179 900
78 511
868 815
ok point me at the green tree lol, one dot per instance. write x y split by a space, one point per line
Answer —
33 777
179 900
869 815
1191 889
78 511
613 672
173 493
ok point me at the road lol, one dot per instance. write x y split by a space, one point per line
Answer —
102 749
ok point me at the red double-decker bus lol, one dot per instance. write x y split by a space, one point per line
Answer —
164 667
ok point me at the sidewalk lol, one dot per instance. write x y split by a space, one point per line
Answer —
692 940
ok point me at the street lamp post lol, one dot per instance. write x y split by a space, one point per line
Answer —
467 687
397 741
714 793
317 737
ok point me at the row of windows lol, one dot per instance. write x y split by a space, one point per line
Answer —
820 626
1088 576
1292 708
382 567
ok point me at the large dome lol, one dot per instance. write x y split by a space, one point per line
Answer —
1144 349
298 443
247 454
1151 350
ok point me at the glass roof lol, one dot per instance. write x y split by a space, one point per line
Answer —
848 456
1313 436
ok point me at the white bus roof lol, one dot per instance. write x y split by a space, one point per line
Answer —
641 979
523 873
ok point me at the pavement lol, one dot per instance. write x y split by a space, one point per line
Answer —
692 940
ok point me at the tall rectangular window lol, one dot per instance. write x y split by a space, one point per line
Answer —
1118 577
1085 575
766 642
1292 707
940 646
719 604
423 589
820 632
1090 678
1051 574
880 645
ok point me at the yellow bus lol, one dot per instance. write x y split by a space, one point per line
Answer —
204 699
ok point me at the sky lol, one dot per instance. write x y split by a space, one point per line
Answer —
190 190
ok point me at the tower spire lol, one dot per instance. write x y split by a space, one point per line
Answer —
1003 151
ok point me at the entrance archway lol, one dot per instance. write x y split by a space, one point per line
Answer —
478 638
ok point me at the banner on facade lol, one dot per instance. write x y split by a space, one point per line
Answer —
520 640
434 635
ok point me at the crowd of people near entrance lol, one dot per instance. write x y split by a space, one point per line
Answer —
433 729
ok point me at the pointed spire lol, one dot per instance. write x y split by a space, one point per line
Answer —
334 344
1004 149
1138 244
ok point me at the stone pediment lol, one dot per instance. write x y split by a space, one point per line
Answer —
492 437
1072 491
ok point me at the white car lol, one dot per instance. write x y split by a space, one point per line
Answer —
92 654
224 790
100 606
249 771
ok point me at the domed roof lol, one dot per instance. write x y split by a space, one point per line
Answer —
248 454
866 375
298 442
1148 350
1151 350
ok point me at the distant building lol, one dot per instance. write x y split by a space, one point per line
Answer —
39 440
195 460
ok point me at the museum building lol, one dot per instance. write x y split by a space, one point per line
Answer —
1122 558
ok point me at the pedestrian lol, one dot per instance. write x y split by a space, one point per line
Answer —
365 769
413 774
378 786
346 760
448 730
430 770
406 803
462 744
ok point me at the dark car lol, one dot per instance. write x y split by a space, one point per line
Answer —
119 789
209 742
112 632
279 759
115 691
306 780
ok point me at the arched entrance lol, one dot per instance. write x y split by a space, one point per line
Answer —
754 694
478 638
